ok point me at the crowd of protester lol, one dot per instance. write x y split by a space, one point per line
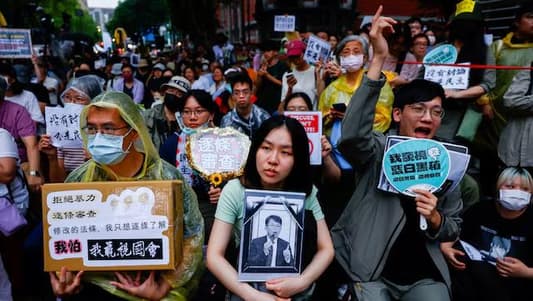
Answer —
364 244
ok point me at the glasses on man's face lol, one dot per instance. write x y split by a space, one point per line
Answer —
244 92
420 110
108 130
197 112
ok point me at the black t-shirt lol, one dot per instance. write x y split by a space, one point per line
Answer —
409 260
494 236
269 94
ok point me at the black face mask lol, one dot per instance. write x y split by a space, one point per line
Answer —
171 102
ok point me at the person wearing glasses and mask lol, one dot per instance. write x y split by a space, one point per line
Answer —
245 117
62 161
114 133
378 241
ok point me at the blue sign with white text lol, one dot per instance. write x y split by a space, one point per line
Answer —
443 54
416 164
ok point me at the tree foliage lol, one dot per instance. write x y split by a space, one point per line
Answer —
80 20
136 16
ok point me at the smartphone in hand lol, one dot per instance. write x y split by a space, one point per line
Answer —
340 107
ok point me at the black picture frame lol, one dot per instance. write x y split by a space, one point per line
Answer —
259 205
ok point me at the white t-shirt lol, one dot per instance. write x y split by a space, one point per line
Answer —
19 192
306 83
28 101
8 148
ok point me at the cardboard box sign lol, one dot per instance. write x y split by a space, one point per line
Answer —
102 226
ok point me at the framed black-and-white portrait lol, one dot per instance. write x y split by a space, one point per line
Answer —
271 235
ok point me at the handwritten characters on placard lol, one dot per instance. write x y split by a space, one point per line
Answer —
63 125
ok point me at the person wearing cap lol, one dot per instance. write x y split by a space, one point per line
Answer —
114 134
378 239
160 119
143 70
515 49
154 81
116 72
63 160
129 84
302 77
269 77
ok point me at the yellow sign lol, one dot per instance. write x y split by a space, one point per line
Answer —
465 6
120 36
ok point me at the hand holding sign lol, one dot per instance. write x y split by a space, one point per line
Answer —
426 205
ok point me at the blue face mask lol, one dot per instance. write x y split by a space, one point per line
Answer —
107 149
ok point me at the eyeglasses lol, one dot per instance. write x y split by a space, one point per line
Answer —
108 130
197 112
245 92
78 99
420 110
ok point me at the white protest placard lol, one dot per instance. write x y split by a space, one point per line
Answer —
15 43
284 23
63 125
448 77
312 123
317 49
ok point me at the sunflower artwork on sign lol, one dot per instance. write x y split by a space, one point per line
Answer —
218 154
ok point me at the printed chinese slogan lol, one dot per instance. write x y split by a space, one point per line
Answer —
422 163
113 225
63 125
284 23
218 154
416 163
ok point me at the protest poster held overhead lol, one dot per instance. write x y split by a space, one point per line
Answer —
284 23
15 43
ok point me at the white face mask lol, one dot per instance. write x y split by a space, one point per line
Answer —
432 40
352 63
514 199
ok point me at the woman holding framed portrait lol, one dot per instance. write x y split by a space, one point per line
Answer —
278 160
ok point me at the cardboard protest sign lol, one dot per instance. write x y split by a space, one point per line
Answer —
265 210
317 49
284 23
63 125
218 154
416 164
102 226
443 54
448 77
312 123
15 43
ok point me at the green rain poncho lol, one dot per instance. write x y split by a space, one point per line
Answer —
184 279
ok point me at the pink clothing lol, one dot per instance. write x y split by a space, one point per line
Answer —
17 121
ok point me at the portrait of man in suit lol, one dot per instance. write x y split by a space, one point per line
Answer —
270 250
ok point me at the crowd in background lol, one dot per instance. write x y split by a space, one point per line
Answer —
245 86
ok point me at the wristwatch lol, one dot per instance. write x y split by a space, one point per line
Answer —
35 173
